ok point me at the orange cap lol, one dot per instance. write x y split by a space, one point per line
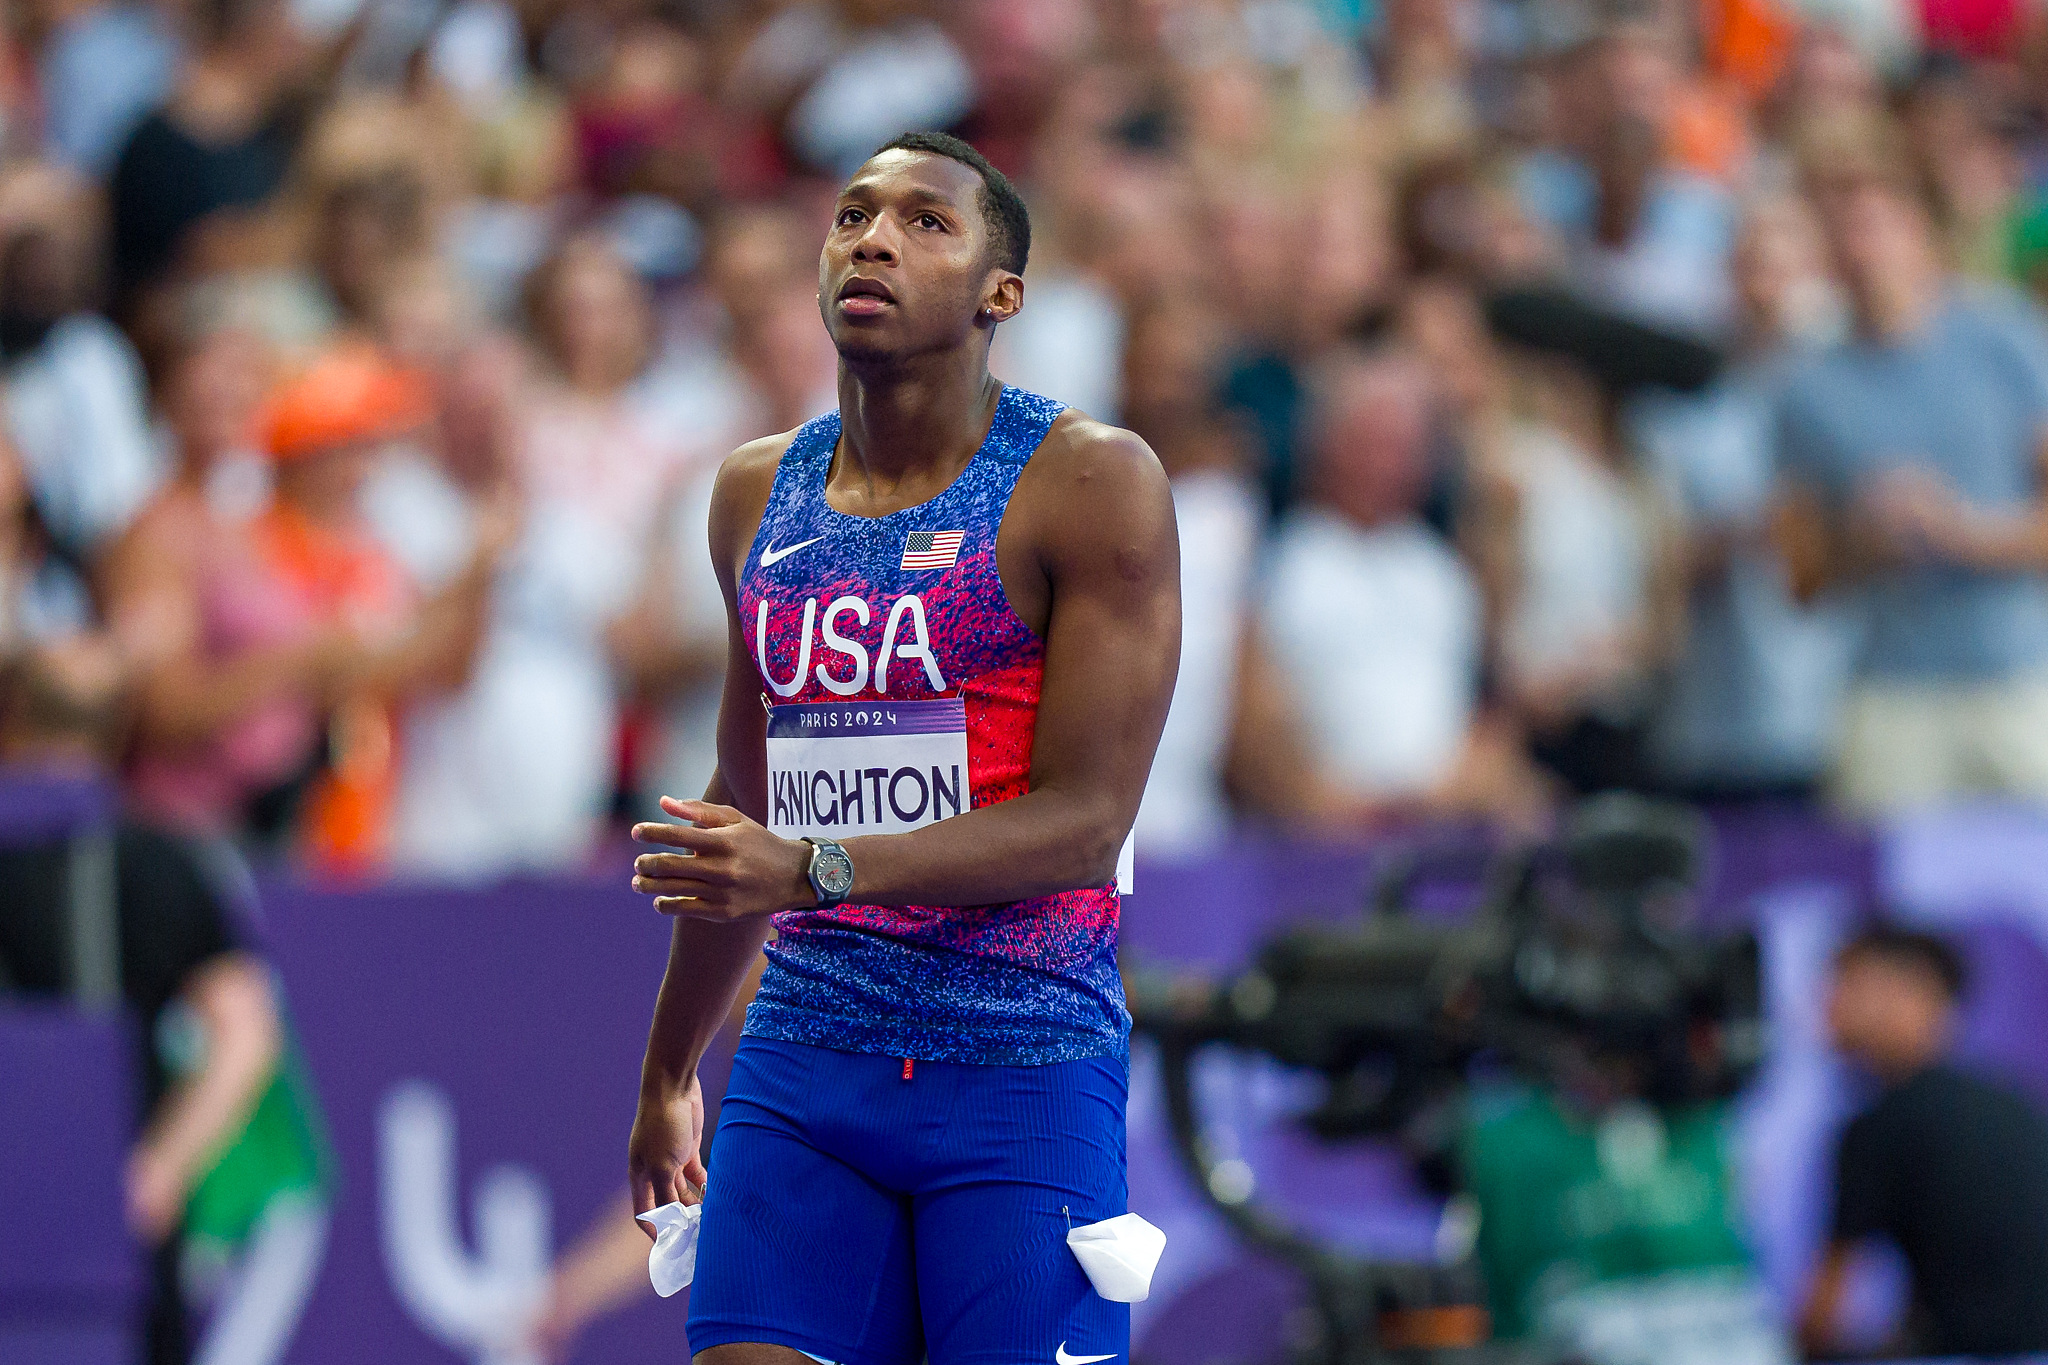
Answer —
349 395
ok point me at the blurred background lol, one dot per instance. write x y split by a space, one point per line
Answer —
1561 397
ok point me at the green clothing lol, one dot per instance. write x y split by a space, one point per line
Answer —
1566 1200
283 1148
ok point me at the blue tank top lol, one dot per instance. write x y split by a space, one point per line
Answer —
903 689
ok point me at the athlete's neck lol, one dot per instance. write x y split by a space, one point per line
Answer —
914 423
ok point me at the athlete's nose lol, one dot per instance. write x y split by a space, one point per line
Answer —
874 245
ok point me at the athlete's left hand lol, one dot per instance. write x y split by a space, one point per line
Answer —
730 868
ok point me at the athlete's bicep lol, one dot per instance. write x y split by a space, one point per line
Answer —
1112 643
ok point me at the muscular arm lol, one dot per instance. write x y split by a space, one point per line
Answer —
1101 519
707 960
1098 555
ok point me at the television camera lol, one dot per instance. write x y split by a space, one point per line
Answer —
1579 967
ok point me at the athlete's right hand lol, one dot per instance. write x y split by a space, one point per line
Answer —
662 1161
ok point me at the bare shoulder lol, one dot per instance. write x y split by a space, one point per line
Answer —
1080 453
753 466
1094 489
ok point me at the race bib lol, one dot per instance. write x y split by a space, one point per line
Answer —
838 769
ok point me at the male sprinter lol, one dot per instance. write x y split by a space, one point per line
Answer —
955 619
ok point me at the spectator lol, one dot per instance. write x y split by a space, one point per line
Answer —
1389 702
1656 246
1171 366
58 672
1752 703
517 767
1263 385
282 614
1951 1166
105 64
1645 233
75 404
323 430
760 363
228 716
856 75
371 226
772 368
224 140
1914 451
1579 565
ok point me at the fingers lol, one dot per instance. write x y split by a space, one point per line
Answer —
694 1180
702 813
643 1202
669 1185
670 888
684 878
677 836
684 867
695 907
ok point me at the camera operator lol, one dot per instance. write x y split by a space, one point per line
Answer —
1607 1224
1950 1166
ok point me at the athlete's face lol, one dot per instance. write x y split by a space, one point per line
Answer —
907 267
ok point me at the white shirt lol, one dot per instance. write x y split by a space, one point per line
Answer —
1378 630
1184 809
1584 553
1068 344
689 741
77 409
515 770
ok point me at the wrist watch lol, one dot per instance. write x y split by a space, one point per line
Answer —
831 871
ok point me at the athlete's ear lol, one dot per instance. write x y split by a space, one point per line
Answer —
1004 298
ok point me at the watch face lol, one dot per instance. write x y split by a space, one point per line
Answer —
835 871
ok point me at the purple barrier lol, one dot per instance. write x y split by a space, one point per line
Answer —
42 807
476 1052
70 1279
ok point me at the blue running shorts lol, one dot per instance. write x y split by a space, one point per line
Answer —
868 1218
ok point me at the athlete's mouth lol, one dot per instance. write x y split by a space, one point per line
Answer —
862 295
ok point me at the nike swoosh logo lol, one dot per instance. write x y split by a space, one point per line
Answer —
771 555
1064 1359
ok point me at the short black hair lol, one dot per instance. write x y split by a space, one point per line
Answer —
1930 953
1002 208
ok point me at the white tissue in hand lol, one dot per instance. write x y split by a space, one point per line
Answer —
673 1261
1119 1255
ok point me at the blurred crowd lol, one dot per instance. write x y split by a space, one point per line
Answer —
1559 395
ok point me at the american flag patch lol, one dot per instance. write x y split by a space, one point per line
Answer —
931 549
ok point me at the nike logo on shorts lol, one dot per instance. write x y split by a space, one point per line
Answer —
1064 1359
771 555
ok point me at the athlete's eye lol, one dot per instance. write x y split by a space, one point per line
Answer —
931 221
849 215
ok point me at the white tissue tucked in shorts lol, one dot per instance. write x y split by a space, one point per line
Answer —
1119 1254
673 1261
